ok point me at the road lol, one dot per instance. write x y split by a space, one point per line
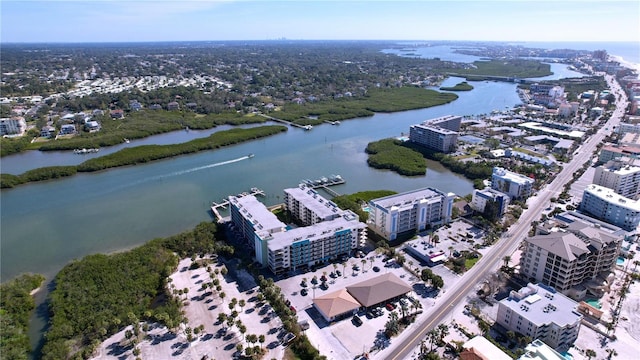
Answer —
507 245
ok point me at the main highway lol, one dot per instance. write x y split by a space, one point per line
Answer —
507 244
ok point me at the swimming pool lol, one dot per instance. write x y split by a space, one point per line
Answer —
594 302
620 260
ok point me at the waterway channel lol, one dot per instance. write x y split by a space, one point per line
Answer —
46 225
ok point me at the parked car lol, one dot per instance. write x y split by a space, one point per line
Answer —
356 320
390 306
293 309
376 269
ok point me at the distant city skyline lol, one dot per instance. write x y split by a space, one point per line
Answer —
198 20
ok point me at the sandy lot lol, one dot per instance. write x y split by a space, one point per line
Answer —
203 309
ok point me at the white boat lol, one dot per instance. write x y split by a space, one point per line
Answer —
250 155
126 140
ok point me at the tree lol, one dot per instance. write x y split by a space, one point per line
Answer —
261 339
432 336
364 262
239 348
443 331
589 353
242 304
506 260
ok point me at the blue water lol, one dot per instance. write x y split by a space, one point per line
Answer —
630 51
620 260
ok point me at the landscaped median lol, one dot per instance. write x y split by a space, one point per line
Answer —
143 154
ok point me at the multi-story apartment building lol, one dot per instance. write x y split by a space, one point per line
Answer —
412 210
309 207
282 248
575 258
539 312
610 152
307 246
604 204
12 126
513 184
482 197
255 223
620 177
440 134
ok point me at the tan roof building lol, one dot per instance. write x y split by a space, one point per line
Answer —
480 348
379 289
336 304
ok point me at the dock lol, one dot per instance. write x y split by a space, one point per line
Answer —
324 183
305 127
254 191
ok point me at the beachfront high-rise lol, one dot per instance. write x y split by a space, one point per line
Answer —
604 204
622 178
440 134
413 210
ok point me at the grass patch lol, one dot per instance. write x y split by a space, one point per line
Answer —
517 68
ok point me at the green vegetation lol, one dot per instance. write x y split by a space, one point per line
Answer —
354 201
99 295
16 305
391 154
10 146
145 123
463 86
516 68
142 154
376 100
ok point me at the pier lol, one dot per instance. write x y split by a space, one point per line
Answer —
324 183
305 127
225 202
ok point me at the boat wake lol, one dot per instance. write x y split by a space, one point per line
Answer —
182 172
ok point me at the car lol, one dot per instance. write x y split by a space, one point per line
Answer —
376 269
304 292
390 306
338 273
293 309
356 320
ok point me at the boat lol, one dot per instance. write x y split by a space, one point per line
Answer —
308 127
126 140
250 155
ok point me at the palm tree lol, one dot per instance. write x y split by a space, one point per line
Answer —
433 336
589 353
611 353
364 262
443 331
635 265
242 303
506 260
335 267
261 340
344 266
371 260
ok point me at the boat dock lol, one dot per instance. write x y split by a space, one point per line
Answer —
225 202
324 183
305 127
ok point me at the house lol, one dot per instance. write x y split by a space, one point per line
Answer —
479 348
117 114
68 129
191 105
155 107
336 305
173 106
47 131
92 126
134 105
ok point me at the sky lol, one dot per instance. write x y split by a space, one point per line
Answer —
195 20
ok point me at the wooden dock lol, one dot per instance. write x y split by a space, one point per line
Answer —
225 202
305 127
324 184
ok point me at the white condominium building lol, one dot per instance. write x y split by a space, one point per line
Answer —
513 184
412 210
440 134
12 126
482 197
539 312
309 207
604 204
622 178
282 248
307 246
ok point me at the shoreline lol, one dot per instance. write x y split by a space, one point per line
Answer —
626 63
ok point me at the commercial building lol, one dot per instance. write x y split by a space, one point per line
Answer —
440 134
513 184
575 255
487 195
539 312
620 177
604 204
414 210
12 126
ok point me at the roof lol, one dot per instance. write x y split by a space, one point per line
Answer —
542 305
484 349
378 289
566 245
336 303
